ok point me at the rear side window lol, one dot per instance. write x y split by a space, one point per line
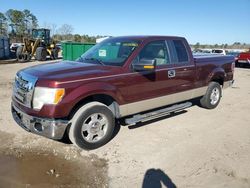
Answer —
181 51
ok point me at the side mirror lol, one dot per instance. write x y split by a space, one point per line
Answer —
145 65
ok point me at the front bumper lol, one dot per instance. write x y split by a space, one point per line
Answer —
244 61
49 128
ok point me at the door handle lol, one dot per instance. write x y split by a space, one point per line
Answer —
171 73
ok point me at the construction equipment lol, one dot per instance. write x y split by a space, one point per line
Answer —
39 46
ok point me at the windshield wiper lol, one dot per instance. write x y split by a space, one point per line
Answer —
80 59
95 59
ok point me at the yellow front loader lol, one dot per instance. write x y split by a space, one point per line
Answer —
39 46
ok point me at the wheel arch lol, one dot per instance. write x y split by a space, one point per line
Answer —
105 99
218 75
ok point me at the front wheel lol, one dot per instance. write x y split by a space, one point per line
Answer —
92 126
54 54
41 54
212 97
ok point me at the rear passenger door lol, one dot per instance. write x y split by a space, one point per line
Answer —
182 66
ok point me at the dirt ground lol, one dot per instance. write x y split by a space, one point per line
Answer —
194 148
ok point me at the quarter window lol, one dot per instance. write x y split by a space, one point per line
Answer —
181 51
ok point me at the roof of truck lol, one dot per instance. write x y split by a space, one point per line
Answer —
143 37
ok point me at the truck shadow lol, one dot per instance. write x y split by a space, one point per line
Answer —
195 102
121 122
156 178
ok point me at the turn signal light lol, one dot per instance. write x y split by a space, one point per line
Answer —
149 67
58 95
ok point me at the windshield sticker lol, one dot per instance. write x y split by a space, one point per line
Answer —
102 53
130 44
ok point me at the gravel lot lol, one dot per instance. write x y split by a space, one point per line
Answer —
195 148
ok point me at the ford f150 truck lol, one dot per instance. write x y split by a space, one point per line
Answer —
135 78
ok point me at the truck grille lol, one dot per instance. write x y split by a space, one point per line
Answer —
23 88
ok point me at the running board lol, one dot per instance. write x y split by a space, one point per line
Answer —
156 114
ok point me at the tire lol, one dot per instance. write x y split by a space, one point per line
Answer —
41 54
26 57
55 53
92 126
18 53
212 97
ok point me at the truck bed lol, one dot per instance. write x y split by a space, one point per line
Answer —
212 58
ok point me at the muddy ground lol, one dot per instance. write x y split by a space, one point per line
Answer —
194 148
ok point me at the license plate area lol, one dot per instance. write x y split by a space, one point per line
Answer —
242 61
26 122
23 119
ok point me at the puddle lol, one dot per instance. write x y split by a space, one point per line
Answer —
44 169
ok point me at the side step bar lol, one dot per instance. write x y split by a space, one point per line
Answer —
156 114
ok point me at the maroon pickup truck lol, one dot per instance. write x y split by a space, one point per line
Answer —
135 78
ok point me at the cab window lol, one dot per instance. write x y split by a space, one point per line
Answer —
155 50
178 51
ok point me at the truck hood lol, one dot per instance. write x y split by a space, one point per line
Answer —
68 70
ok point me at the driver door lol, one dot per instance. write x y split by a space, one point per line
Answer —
148 89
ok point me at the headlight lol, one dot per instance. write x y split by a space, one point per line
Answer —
43 95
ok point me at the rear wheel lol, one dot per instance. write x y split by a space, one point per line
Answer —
92 126
41 54
19 53
212 97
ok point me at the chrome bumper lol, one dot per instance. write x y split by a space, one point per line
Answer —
49 128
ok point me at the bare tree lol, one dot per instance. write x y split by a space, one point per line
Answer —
46 25
53 29
66 31
51 26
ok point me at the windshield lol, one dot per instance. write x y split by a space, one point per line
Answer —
38 34
110 52
217 51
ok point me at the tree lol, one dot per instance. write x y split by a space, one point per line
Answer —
197 45
66 31
16 18
21 22
3 24
30 20
77 38
237 43
53 29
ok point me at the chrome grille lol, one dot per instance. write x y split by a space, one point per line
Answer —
23 88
